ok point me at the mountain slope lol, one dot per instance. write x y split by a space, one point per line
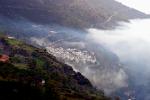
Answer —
32 73
72 13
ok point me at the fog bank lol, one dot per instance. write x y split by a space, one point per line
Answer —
75 48
131 43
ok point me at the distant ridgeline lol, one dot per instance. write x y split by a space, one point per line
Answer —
29 73
72 13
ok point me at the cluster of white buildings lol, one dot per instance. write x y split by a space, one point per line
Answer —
72 54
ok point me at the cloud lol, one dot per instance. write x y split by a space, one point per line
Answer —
132 45
95 62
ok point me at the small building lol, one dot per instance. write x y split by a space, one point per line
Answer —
10 37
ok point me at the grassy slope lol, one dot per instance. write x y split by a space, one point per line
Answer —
21 78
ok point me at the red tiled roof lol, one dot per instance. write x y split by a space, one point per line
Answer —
4 58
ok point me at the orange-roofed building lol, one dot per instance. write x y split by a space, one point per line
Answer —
4 58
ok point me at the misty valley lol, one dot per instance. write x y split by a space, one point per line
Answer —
111 51
116 61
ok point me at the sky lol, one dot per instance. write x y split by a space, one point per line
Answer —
141 5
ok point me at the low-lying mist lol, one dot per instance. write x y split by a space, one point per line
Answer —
93 52
71 46
131 43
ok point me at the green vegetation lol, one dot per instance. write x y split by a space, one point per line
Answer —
27 47
13 42
33 74
39 63
15 59
19 44
21 66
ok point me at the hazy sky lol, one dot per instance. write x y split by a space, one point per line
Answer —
142 5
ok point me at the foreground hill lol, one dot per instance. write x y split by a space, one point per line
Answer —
72 13
32 73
